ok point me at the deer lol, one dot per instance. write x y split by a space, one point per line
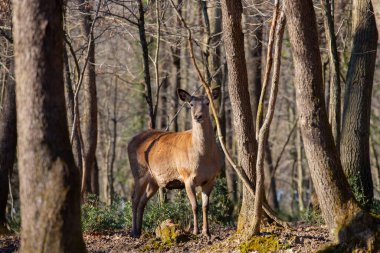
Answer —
176 160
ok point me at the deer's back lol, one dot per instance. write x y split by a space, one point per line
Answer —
161 153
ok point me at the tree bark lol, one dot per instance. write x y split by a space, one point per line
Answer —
357 102
240 103
145 51
69 96
89 120
346 220
334 103
49 180
376 8
8 138
272 189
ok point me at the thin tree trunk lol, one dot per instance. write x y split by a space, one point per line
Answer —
240 103
355 152
300 174
89 119
8 138
49 180
334 104
176 71
348 223
264 129
272 189
145 51
69 95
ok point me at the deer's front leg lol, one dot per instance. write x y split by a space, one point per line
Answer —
190 190
206 190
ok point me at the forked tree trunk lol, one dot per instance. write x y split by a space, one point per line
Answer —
7 144
357 102
347 221
49 180
240 102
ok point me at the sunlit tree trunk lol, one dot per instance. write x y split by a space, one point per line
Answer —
355 150
348 223
240 102
49 180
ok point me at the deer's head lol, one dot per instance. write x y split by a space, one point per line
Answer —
199 104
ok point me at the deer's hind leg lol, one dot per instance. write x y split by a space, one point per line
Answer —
150 189
139 190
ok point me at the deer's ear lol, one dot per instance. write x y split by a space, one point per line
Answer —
183 95
215 93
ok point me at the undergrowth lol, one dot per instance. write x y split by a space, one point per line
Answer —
97 216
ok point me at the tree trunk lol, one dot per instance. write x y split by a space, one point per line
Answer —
49 180
8 138
357 102
89 118
300 173
240 103
272 189
334 103
376 8
339 209
69 96
176 71
145 52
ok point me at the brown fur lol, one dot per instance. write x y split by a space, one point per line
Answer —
175 160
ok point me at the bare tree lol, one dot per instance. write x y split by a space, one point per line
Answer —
49 180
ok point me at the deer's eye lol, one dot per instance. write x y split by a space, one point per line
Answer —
191 105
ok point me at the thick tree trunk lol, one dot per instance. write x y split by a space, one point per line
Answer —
49 180
357 102
89 117
339 209
240 102
7 144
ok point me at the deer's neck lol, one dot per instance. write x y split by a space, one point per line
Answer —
203 137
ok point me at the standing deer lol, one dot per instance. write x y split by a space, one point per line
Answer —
176 160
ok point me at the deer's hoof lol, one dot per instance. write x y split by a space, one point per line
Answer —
135 234
206 234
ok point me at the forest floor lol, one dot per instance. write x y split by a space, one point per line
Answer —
302 238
